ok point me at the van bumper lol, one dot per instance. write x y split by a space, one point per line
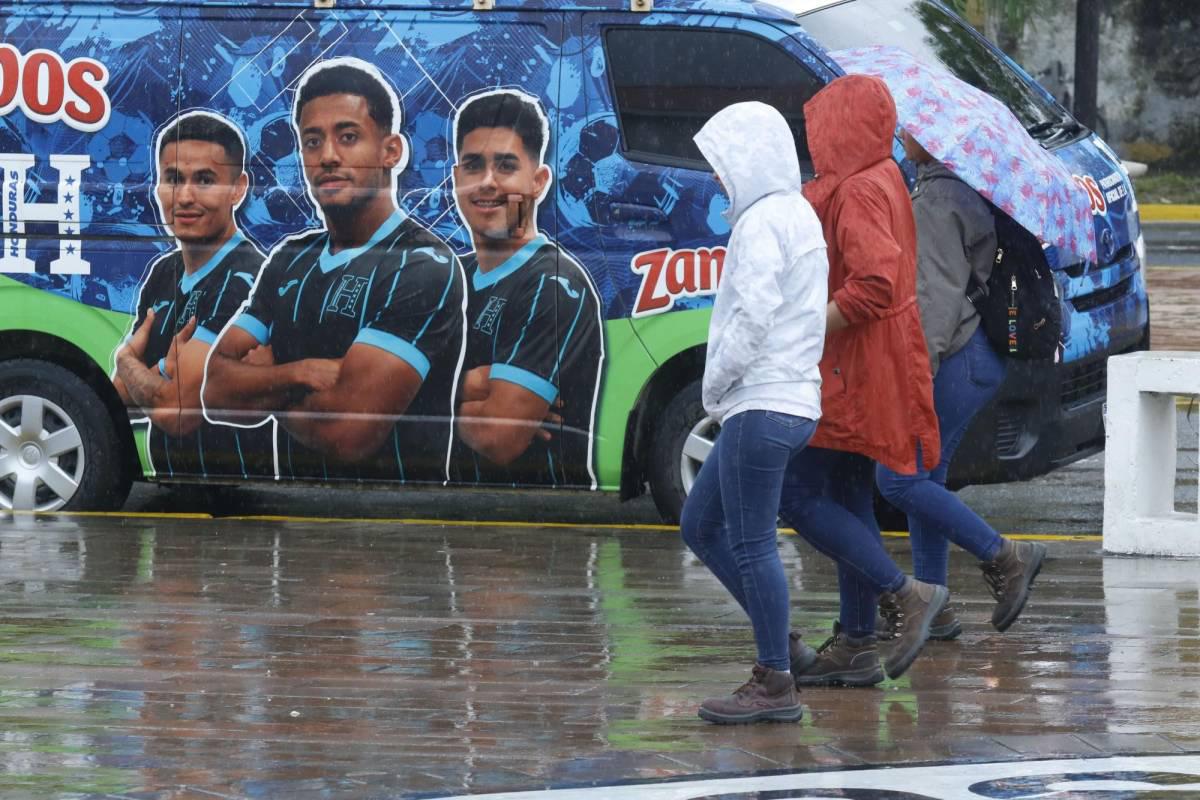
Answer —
1045 416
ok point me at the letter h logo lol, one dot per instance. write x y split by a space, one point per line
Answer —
65 211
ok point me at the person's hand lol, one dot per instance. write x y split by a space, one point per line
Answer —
177 342
261 356
141 337
477 384
319 374
553 420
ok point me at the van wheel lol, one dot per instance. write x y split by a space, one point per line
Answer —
59 449
683 438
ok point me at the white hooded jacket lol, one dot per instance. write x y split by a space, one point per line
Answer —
768 323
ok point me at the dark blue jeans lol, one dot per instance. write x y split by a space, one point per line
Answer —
965 382
729 520
829 499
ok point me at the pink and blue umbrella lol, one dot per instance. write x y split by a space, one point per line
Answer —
979 139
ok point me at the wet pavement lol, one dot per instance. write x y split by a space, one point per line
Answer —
175 658
249 644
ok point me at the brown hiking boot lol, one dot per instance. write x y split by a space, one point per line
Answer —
800 654
946 626
843 661
1009 577
769 695
910 613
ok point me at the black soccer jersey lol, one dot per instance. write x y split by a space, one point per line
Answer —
211 294
535 321
401 292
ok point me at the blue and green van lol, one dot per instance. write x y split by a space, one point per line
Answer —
458 242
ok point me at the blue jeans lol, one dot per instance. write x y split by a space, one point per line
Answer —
964 384
729 520
829 499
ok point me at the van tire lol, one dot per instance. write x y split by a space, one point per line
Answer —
93 460
668 475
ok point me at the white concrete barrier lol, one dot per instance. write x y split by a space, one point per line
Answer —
1139 459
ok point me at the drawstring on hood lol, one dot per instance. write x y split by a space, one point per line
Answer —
751 149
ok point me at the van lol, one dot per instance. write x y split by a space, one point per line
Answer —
444 242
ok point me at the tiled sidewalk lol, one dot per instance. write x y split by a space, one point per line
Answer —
176 659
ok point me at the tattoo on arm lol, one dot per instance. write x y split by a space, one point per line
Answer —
140 381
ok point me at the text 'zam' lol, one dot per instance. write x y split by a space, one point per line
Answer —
668 275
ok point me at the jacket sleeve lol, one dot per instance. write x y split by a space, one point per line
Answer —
943 270
751 294
870 254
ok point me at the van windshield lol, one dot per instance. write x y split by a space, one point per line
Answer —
929 32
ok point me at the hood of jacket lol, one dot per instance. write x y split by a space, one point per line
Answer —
752 151
851 125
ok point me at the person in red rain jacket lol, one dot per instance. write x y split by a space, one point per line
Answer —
876 393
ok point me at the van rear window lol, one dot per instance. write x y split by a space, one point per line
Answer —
668 82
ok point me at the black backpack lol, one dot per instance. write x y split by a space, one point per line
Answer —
1020 306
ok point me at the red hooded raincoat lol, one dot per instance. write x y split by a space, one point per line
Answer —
877 391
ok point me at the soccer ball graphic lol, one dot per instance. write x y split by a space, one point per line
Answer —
594 172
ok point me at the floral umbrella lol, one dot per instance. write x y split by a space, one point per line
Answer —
980 140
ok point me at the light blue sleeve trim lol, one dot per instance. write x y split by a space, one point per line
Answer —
162 368
396 346
203 334
526 379
254 327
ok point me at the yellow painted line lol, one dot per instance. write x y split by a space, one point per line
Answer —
1169 212
116 514
1041 537
457 522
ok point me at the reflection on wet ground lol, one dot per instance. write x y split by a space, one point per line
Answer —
237 659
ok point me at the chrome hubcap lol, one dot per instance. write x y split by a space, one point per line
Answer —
41 454
696 448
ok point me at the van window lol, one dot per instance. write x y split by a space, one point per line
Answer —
668 82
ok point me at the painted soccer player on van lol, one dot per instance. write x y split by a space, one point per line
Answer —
84 87
353 335
187 296
523 369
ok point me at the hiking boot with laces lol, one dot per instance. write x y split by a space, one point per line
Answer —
910 613
843 661
1009 577
946 626
769 696
800 654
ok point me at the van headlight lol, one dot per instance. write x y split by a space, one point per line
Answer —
1140 247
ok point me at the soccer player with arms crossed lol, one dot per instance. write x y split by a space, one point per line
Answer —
534 331
361 322
187 297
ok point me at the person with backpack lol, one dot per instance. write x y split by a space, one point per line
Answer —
876 391
956 253
761 381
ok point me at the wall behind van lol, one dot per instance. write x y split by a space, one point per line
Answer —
1149 68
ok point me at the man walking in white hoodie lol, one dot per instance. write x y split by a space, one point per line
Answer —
763 384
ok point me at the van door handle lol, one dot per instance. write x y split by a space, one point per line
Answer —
633 212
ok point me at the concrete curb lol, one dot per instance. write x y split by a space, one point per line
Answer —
1164 212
